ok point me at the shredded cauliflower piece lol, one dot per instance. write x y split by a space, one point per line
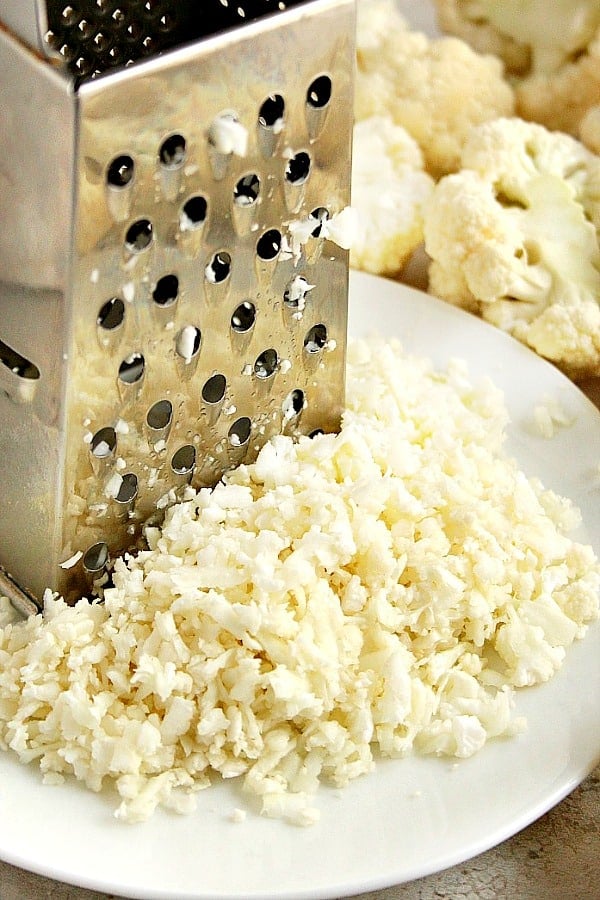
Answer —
435 89
513 236
389 188
551 50
381 590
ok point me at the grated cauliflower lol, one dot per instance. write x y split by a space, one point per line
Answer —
435 89
513 236
551 51
389 188
378 591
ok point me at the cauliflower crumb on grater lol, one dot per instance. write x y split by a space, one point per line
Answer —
380 591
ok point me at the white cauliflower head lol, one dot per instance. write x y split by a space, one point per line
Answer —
551 50
436 89
514 237
389 189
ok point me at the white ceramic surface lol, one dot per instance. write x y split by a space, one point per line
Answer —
410 817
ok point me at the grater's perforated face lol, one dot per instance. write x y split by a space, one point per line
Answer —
92 36
208 306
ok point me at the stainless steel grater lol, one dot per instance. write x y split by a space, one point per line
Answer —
160 317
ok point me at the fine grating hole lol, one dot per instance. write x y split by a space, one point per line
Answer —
239 433
120 171
172 151
193 213
319 93
297 169
134 31
214 389
166 291
320 216
95 558
139 236
129 488
247 190
184 460
269 245
188 342
315 339
243 317
266 364
272 112
112 314
219 268
69 16
104 443
132 368
293 404
160 415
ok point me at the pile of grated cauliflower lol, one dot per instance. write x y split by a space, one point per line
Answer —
380 591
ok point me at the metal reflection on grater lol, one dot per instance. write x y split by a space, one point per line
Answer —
157 325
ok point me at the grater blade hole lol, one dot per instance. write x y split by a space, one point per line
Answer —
269 245
166 291
132 368
118 18
193 213
104 443
187 343
167 21
95 558
214 389
184 460
219 268
128 490
112 314
160 415
120 172
295 293
319 92
293 404
134 31
139 236
315 339
243 317
101 42
18 364
68 16
298 168
266 364
172 151
272 112
247 190
320 216
85 29
83 66
239 433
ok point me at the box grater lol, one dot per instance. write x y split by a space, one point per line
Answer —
170 295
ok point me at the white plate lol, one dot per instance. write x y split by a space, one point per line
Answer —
410 817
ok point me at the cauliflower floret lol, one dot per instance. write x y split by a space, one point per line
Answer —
551 50
435 89
389 188
514 237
